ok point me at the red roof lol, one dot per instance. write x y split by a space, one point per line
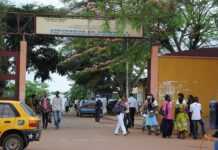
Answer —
203 52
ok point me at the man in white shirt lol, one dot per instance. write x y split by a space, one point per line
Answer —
195 109
57 107
133 108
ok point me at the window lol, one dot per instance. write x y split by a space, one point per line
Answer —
8 89
9 74
1 110
7 111
28 110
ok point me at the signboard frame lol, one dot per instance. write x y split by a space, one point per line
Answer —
88 19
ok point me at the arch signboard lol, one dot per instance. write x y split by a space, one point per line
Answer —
84 27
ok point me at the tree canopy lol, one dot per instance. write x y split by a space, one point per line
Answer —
78 92
177 24
35 88
42 54
100 64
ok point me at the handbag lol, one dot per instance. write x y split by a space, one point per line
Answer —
162 112
49 117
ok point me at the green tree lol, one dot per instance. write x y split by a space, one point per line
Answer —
100 64
42 55
4 62
177 24
35 88
77 92
3 8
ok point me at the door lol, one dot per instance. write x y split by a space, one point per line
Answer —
7 117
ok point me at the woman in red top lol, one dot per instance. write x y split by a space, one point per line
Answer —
45 110
167 121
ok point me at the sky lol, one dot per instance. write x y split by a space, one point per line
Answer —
56 83
55 3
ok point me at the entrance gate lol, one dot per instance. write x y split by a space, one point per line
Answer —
68 26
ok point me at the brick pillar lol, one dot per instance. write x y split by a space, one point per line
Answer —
22 70
154 70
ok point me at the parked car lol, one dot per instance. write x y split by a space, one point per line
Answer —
19 125
86 107
110 105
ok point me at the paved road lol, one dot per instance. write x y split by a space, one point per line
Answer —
85 134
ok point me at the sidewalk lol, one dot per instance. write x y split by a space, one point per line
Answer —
84 134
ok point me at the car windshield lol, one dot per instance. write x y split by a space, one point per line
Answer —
28 110
85 102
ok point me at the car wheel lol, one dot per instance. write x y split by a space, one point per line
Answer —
13 142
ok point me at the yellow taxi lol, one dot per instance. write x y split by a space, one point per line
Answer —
19 125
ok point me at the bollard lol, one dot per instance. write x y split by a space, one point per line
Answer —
216 145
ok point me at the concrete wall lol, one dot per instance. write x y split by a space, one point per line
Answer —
189 75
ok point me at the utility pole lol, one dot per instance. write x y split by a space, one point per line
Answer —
127 70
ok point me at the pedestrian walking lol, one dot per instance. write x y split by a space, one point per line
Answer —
45 108
127 120
76 105
98 110
143 110
67 106
181 99
181 117
190 101
196 111
57 107
151 107
133 108
120 109
167 112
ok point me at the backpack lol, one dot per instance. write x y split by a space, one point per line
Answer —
99 104
118 108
